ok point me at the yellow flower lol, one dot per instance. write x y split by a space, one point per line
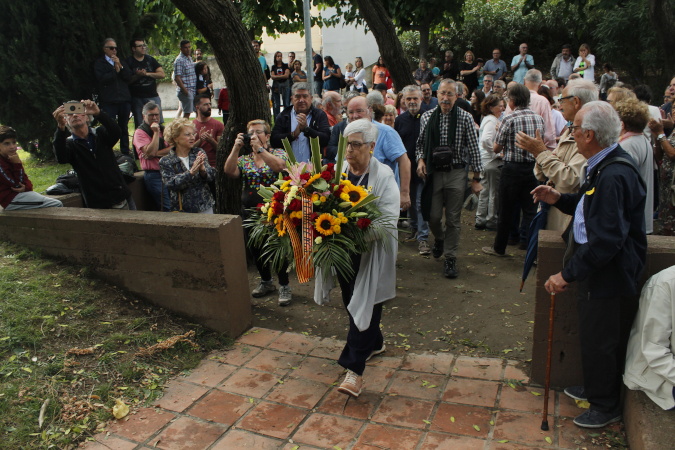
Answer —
342 218
280 226
312 179
284 187
322 198
353 194
296 215
327 224
315 197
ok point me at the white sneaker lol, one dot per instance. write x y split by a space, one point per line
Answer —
285 295
377 352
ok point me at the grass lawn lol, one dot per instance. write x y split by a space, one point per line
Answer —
68 346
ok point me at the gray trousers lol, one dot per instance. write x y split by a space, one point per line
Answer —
448 194
32 200
488 200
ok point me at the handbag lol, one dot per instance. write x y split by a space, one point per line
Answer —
441 157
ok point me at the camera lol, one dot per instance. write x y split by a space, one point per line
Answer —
73 108
247 140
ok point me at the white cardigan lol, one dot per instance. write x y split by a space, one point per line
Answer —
650 360
376 279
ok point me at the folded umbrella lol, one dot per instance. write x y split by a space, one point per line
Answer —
538 223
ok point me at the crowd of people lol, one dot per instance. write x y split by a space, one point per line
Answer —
590 146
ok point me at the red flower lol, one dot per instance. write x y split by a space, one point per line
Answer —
363 223
296 222
260 205
277 207
295 205
326 175
330 167
305 176
286 178
279 196
338 191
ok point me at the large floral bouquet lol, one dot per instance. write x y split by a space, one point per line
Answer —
312 218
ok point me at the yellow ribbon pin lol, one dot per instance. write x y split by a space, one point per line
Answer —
591 192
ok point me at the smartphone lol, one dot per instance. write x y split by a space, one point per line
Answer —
73 108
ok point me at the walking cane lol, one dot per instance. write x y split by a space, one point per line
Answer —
549 351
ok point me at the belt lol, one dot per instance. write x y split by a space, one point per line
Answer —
150 171
452 167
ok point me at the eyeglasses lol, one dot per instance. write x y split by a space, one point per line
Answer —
356 145
111 48
561 98
573 127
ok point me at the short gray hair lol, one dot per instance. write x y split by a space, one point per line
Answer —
533 76
500 83
302 86
316 101
410 89
350 95
603 120
585 90
364 126
149 107
330 97
374 98
447 81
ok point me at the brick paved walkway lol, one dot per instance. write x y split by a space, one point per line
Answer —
277 390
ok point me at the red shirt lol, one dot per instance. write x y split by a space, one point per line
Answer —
140 140
216 128
224 100
331 119
13 172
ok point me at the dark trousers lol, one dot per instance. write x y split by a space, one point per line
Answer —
360 344
264 269
119 112
604 327
516 183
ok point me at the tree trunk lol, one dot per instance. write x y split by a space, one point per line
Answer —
382 27
220 23
661 15
424 42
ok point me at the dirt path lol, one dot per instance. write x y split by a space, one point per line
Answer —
479 313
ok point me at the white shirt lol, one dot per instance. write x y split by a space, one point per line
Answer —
589 72
300 144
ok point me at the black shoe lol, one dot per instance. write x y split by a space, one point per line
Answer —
480 227
596 419
576 392
450 268
437 250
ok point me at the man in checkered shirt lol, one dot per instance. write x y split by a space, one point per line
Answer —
185 77
448 140
517 179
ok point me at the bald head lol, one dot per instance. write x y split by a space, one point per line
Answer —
357 109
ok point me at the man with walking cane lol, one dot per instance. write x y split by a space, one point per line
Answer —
606 251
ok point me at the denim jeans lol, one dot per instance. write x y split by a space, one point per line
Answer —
283 94
153 183
417 222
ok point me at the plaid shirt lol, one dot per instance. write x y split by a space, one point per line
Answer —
466 138
185 69
525 120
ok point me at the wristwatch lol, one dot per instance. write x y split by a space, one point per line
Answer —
660 137
261 149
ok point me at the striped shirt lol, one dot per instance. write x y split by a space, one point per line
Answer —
580 235
466 138
522 119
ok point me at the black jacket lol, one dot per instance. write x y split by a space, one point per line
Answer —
101 181
332 148
318 127
614 209
112 85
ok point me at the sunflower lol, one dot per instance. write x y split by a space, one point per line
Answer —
353 194
327 224
279 223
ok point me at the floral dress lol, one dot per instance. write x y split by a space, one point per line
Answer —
665 224
253 176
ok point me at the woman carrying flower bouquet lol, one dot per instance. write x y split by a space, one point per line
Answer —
374 277
259 165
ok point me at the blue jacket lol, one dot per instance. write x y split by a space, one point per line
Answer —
614 205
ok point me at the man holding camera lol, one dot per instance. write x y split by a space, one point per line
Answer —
301 123
150 147
90 152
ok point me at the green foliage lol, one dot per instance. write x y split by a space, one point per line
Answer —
42 173
500 23
163 26
48 49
